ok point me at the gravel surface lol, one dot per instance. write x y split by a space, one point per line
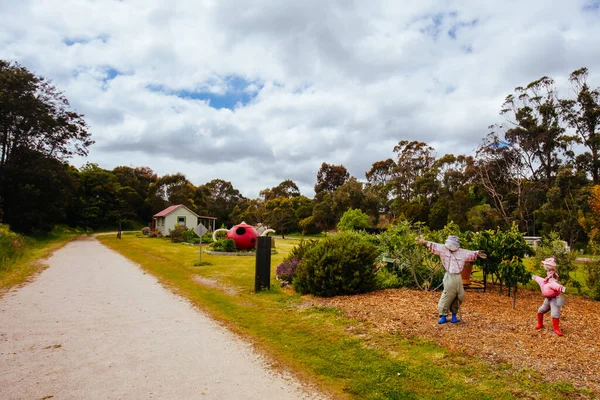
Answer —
95 326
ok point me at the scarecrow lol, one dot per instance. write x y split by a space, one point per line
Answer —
551 290
453 259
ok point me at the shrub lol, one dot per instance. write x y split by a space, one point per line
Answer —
225 245
176 234
286 271
552 246
190 236
145 231
154 234
12 246
207 237
339 265
298 251
385 279
415 266
505 251
353 218
593 279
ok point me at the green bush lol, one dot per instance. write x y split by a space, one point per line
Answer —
207 237
414 266
190 236
505 251
386 279
176 234
353 218
225 245
12 246
552 246
338 265
593 279
297 253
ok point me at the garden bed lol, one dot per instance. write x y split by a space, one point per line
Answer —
492 329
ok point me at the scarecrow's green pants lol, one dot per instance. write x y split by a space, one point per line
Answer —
453 294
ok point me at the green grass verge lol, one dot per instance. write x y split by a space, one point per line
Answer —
343 357
17 271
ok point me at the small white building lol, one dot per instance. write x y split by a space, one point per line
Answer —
179 214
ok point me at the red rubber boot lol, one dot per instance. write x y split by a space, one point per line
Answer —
555 322
540 324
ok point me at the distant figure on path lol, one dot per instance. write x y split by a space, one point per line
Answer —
453 259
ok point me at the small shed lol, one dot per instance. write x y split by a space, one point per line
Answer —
179 215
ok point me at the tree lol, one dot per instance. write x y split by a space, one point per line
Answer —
35 115
583 115
414 160
285 189
281 215
378 186
331 177
170 190
35 120
353 218
222 199
139 179
38 191
534 128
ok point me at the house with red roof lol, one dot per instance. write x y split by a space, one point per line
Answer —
179 215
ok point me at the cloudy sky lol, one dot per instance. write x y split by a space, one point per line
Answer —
256 92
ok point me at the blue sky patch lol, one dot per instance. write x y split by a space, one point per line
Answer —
238 93
454 29
592 5
73 41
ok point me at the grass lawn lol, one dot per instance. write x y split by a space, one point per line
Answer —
20 270
340 356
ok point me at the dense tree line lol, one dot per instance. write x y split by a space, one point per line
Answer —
538 169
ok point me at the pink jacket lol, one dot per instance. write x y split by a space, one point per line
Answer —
549 285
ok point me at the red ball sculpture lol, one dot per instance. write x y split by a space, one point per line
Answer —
243 235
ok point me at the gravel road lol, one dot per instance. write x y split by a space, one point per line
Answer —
95 326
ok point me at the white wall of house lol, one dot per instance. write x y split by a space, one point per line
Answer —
181 216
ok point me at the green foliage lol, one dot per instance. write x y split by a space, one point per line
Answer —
176 234
190 236
553 246
338 265
207 237
353 218
299 250
12 246
415 266
225 245
386 279
505 251
593 279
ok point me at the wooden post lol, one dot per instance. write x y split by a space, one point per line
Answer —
262 277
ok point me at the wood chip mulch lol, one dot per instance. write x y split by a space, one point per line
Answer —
491 329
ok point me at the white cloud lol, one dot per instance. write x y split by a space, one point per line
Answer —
337 81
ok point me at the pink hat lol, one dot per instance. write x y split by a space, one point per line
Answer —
549 263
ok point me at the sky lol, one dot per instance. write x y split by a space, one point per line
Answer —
257 92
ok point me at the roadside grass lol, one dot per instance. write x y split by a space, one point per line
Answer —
20 270
342 357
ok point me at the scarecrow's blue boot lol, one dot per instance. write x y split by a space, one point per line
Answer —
442 319
454 319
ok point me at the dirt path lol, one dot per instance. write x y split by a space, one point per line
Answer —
94 326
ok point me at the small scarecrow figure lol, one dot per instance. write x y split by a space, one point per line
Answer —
551 290
453 259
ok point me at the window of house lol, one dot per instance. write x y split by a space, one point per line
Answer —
181 221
